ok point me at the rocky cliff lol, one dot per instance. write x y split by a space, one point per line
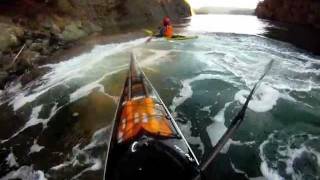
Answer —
71 19
305 12
46 26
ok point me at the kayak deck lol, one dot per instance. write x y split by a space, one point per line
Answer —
146 143
182 37
142 115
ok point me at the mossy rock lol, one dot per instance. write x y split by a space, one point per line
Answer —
73 31
64 6
9 36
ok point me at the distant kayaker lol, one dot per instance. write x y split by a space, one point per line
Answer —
166 29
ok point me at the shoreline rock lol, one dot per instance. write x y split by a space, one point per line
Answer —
305 12
52 26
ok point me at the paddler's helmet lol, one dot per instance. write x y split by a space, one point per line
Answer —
166 21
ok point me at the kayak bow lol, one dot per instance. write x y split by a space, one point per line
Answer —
146 142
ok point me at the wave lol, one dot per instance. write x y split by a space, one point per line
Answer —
64 72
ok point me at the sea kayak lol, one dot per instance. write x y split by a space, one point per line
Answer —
181 37
146 142
174 37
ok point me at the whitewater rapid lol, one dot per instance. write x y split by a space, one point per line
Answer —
239 60
209 77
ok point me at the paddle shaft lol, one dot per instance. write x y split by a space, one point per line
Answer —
235 124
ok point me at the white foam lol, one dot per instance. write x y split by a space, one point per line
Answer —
215 132
233 55
63 72
76 152
97 164
288 154
264 99
317 155
294 153
35 147
217 128
59 166
206 109
238 55
211 63
35 120
186 91
14 87
219 117
11 160
99 138
21 99
53 111
231 142
238 170
155 58
269 173
87 89
240 143
25 172
287 97
194 140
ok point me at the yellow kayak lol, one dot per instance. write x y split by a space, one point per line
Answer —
174 37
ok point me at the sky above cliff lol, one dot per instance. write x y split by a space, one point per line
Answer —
250 4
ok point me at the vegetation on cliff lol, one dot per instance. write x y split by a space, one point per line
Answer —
305 12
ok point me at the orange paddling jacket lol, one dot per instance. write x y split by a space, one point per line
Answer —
168 31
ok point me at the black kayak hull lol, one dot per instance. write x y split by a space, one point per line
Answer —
147 155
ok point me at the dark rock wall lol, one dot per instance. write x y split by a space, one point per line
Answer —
292 11
88 15
46 26
110 13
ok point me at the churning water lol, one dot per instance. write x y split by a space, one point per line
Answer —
57 127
